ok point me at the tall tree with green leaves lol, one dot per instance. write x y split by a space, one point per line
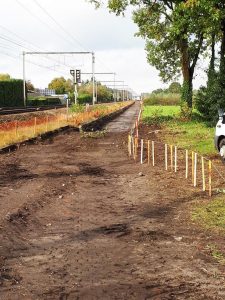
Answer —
61 85
174 35
212 97
4 77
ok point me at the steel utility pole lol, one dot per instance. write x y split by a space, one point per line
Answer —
58 53
24 82
121 88
93 78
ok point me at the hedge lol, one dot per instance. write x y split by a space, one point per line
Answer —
84 98
43 102
11 93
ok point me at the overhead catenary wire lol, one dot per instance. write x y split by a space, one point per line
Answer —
22 46
67 36
65 30
43 22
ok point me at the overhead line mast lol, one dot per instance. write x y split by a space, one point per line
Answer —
58 53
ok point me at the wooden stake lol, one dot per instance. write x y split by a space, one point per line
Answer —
203 175
153 153
175 159
136 146
133 146
128 145
192 160
186 173
171 156
195 170
148 152
142 149
35 125
166 157
210 178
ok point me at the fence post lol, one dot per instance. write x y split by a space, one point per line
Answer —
175 159
133 146
142 148
210 178
166 157
153 153
136 147
203 175
195 170
137 129
186 171
148 152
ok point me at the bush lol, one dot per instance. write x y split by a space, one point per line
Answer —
209 99
77 108
84 98
163 99
42 101
11 93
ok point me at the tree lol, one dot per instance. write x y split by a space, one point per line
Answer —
30 86
174 88
61 85
158 91
4 77
174 34
104 94
212 97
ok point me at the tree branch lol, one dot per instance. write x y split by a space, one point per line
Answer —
192 68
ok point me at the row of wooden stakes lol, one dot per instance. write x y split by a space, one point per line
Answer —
171 160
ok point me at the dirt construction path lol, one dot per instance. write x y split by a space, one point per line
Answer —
78 221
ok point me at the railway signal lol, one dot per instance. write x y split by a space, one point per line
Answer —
78 76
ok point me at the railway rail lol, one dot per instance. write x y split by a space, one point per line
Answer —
20 110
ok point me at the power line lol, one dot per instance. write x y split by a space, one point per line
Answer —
40 20
58 24
63 29
16 35
23 46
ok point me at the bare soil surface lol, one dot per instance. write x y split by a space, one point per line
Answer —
79 221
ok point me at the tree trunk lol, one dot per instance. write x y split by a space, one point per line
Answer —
212 59
187 88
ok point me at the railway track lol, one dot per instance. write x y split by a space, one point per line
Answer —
20 110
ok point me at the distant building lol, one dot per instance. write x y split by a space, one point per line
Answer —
45 92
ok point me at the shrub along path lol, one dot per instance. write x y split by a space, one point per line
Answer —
79 221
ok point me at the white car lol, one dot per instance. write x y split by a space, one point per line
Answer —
219 139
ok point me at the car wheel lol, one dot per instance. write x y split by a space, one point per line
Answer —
222 149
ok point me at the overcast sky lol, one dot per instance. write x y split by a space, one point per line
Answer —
25 26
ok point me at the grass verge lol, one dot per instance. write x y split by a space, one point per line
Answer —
210 215
194 135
